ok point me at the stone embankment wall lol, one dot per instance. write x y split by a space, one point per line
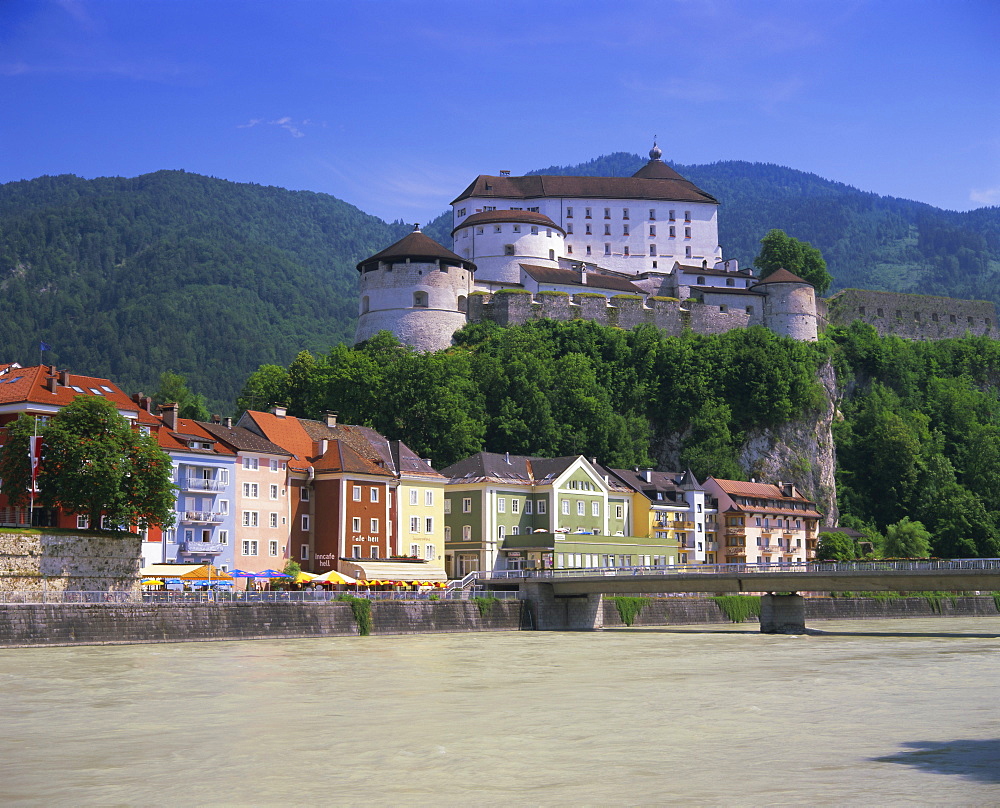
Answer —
692 611
34 562
114 624
917 317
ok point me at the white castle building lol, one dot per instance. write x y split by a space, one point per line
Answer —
652 238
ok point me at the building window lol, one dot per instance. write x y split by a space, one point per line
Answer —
467 505
515 506
223 537
687 252
429 552
373 494
250 547
414 496
501 531
569 213
429 498
447 506
687 232
586 212
305 521
356 493
501 505
687 216
607 249
588 230
541 506
428 524
251 463
420 300
569 229
356 550
595 508
374 552
515 530
672 231
414 524
527 506
588 249
356 524
730 282
250 518
625 230
415 551
607 229
250 490
274 492
517 229
82 522
626 249
508 249
273 519
579 507
534 231
565 507
497 228
618 511
466 532
652 249
374 525
304 552
272 548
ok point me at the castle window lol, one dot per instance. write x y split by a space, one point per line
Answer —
687 252
723 308
654 264
461 212
687 232
517 228
588 230
672 217
552 255
626 249
569 249
364 304
749 309
652 214
673 231
569 213
548 234
532 210
701 281
607 213
479 231
916 316
497 228
652 249
569 229
420 300
934 317
988 322
687 216
607 229
899 314
625 230
607 249
861 310
586 212
508 249
652 230
970 321
879 313
487 208
730 282
624 213
953 318
588 249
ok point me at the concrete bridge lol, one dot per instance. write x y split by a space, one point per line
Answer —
571 599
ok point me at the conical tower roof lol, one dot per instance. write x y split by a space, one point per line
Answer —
417 247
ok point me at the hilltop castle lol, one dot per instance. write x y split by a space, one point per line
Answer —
617 250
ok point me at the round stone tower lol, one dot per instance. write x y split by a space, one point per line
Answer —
416 289
789 305
499 241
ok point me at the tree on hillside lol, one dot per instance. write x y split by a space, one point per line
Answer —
174 390
780 251
94 464
836 546
906 539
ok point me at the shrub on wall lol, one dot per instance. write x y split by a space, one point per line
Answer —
361 608
629 607
739 608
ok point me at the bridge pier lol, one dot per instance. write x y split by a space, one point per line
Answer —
782 614
563 612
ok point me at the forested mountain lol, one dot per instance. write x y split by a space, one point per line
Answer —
868 241
127 278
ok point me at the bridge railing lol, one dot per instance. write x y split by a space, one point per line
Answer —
744 569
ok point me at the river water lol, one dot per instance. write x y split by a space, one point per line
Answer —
893 712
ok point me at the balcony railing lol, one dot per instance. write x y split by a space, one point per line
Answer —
733 550
201 548
203 517
683 525
736 531
201 484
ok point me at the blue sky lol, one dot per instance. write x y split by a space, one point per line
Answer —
395 106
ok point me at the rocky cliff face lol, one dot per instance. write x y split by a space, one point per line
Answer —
800 451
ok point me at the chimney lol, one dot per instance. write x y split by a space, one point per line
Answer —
279 410
647 475
593 461
583 274
704 263
64 378
168 412
331 419
506 458
51 383
147 403
324 444
227 422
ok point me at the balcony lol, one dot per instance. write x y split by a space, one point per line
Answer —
735 551
200 484
683 525
201 548
736 531
765 533
203 517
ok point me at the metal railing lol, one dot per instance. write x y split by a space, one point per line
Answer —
171 597
741 568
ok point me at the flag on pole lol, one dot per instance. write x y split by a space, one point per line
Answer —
44 346
35 454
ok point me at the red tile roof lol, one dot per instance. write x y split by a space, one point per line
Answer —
415 246
507 216
781 276
570 277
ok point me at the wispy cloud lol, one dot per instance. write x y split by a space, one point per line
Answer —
989 196
286 123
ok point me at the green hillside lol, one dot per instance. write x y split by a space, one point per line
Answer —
126 278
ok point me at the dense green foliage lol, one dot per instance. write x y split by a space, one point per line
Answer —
919 437
778 250
906 539
555 389
629 607
125 278
93 464
361 609
835 546
738 608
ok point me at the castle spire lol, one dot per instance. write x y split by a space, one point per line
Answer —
655 153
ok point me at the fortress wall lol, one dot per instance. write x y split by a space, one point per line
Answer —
555 307
916 317
708 319
37 562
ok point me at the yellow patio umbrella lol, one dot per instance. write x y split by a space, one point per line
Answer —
152 583
304 577
334 577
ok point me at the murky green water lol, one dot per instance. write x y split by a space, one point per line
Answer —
878 712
